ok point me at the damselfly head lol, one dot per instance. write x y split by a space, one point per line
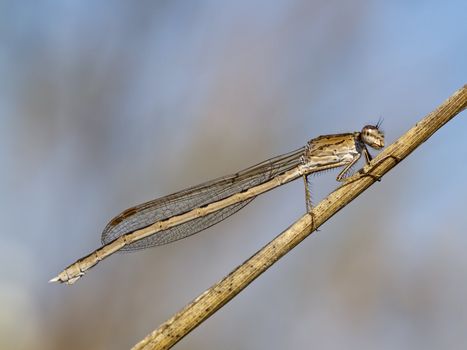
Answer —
372 136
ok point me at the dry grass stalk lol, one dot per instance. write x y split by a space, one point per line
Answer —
174 329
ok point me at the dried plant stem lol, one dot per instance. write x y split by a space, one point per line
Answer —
219 294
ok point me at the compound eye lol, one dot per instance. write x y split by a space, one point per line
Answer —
373 137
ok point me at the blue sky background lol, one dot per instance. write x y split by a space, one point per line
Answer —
107 104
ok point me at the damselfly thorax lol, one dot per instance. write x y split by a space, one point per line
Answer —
332 151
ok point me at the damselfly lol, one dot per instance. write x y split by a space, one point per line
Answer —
187 212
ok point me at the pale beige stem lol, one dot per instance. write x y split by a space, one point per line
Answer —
218 295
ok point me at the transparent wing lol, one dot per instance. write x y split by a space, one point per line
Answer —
148 213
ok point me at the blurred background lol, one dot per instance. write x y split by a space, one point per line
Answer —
104 105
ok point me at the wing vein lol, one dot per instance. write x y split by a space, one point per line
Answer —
148 213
